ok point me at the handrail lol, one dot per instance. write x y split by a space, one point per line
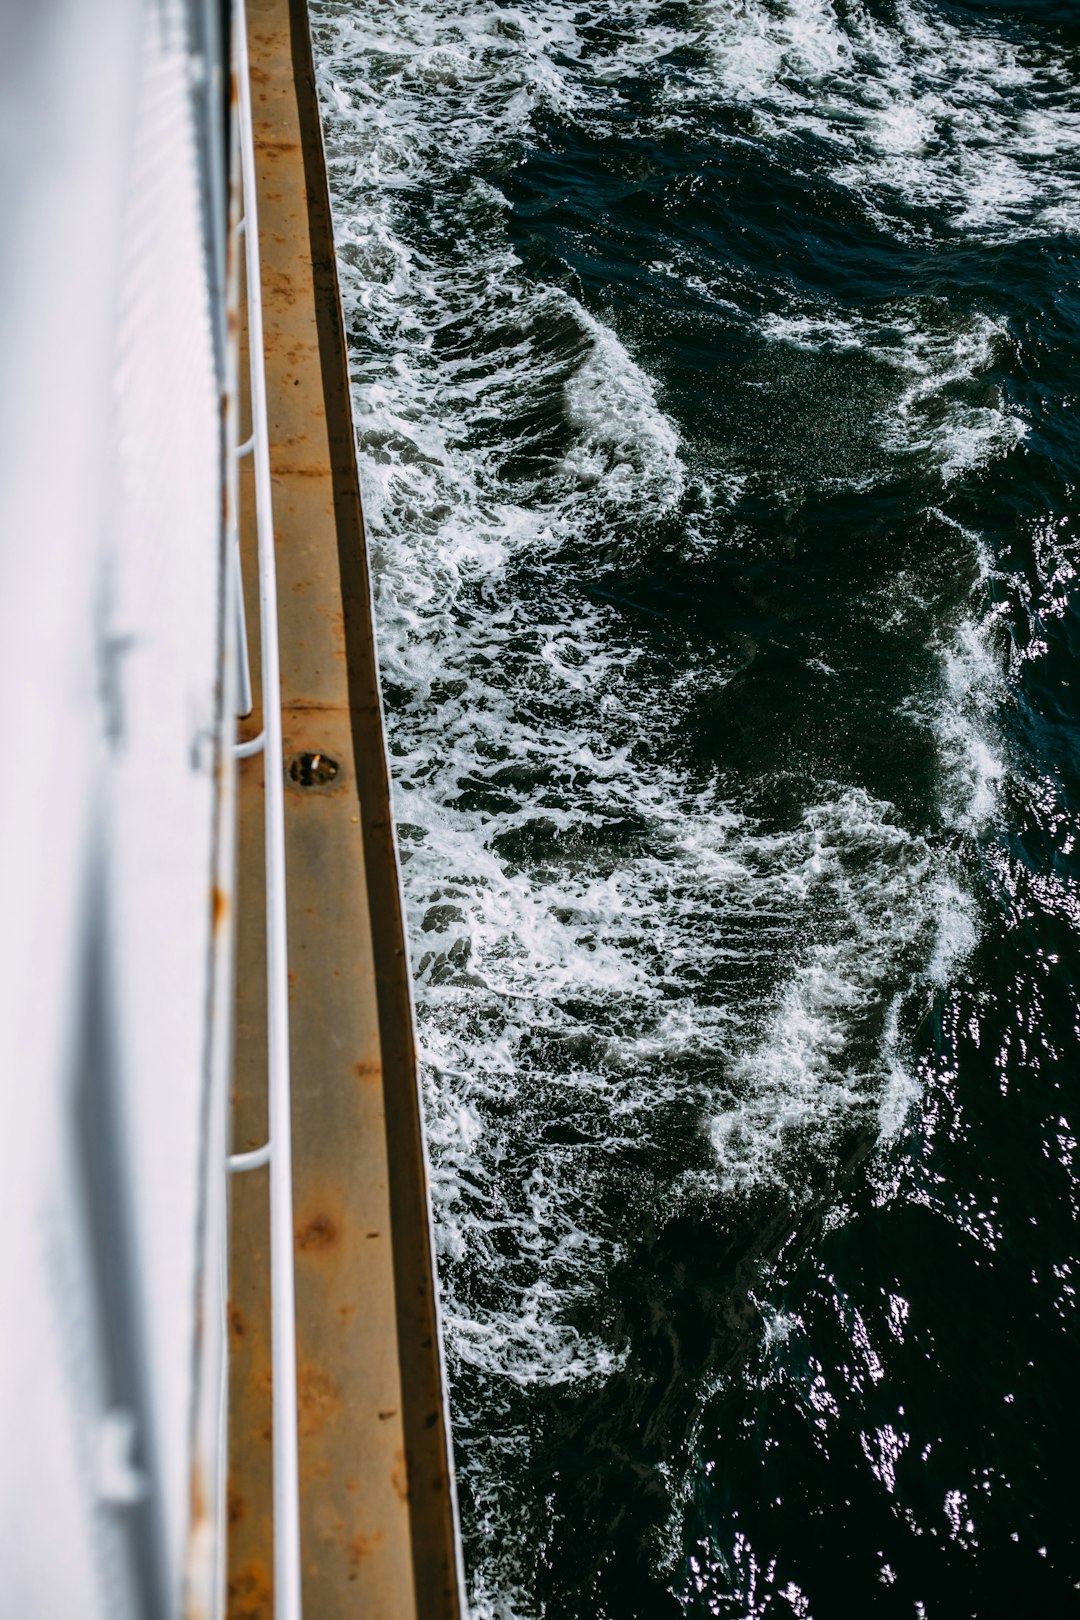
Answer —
244 698
237 1162
254 745
277 1150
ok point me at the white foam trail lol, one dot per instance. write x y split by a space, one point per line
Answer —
827 1054
973 689
931 414
603 942
620 429
925 112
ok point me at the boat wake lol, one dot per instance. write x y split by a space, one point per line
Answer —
645 979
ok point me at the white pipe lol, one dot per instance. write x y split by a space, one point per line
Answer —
235 578
237 1162
254 745
287 1598
244 699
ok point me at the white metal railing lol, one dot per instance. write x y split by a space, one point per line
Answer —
244 697
277 1150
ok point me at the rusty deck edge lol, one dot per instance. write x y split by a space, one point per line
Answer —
437 1558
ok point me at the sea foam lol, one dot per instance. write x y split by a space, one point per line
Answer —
606 943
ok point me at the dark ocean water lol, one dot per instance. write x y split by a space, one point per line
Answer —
717 377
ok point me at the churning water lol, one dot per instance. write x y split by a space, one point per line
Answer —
716 374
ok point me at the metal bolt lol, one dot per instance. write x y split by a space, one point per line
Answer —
313 770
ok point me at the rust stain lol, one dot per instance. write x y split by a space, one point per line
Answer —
346 1313
251 1594
383 1416
219 906
320 1232
361 1547
319 1397
368 1071
199 1511
236 1505
399 1479
300 355
277 288
294 470
297 439
237 1324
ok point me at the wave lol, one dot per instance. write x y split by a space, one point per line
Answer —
931 414
614 947
917 114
